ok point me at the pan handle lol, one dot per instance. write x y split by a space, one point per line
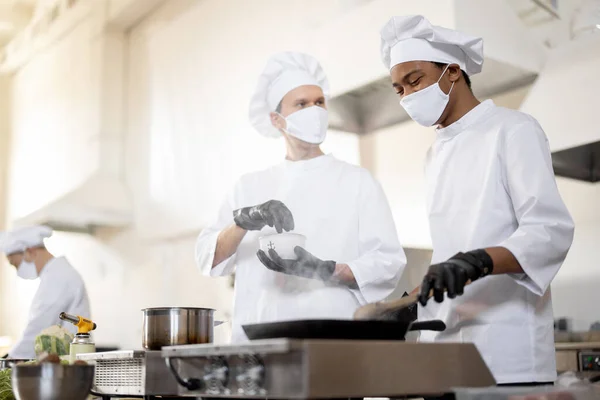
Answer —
433 325
191 384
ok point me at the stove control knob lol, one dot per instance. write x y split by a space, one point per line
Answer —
251 376
216 376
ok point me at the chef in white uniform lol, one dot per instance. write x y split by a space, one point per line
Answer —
61 288
352 254
495 213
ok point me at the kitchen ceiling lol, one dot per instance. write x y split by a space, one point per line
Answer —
549 21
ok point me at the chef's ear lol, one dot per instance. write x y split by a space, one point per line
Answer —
277 120
454 72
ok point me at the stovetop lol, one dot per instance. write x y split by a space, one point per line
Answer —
306 369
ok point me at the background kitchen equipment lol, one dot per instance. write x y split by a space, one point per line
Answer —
339 329
130 374
171 326
52 381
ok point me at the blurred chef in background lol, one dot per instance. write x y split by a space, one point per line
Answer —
495 214
61 288
352 255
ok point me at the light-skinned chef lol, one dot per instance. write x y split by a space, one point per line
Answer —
352 255
495 213
61 288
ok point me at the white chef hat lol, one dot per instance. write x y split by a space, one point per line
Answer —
413 38
31 236
284 72
8 244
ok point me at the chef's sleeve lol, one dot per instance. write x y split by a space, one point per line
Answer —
206 244
381 258
545 227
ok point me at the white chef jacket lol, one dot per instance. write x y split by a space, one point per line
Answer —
491 183
61 290
345 216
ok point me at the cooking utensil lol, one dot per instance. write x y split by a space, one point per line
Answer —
172 326
7 363
387 310
52 381
82 342
338 329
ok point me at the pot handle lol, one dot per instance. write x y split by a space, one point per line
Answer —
191 384
433 325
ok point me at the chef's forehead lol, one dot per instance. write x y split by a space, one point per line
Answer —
404 70
309 92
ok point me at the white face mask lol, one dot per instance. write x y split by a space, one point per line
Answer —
309 125
427 105
27 270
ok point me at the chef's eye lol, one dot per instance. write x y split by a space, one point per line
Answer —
400 92
415 82
301 104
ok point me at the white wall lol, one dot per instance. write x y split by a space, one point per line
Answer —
575 289
398 163
52 147
4 135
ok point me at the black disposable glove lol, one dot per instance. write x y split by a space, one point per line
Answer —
273 213
305 266
453 275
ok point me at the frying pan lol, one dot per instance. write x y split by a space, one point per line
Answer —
339 329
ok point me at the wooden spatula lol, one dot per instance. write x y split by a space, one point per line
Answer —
386 309
389 309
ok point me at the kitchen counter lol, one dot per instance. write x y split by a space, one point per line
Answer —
590 336
568 347
577 345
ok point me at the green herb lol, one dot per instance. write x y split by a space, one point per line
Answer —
6 392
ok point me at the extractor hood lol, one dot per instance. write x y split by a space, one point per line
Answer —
101 201
581 162
566 100
362 98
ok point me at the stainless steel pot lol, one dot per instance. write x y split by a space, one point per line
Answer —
172 326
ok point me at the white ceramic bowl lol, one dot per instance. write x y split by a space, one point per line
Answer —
283 244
